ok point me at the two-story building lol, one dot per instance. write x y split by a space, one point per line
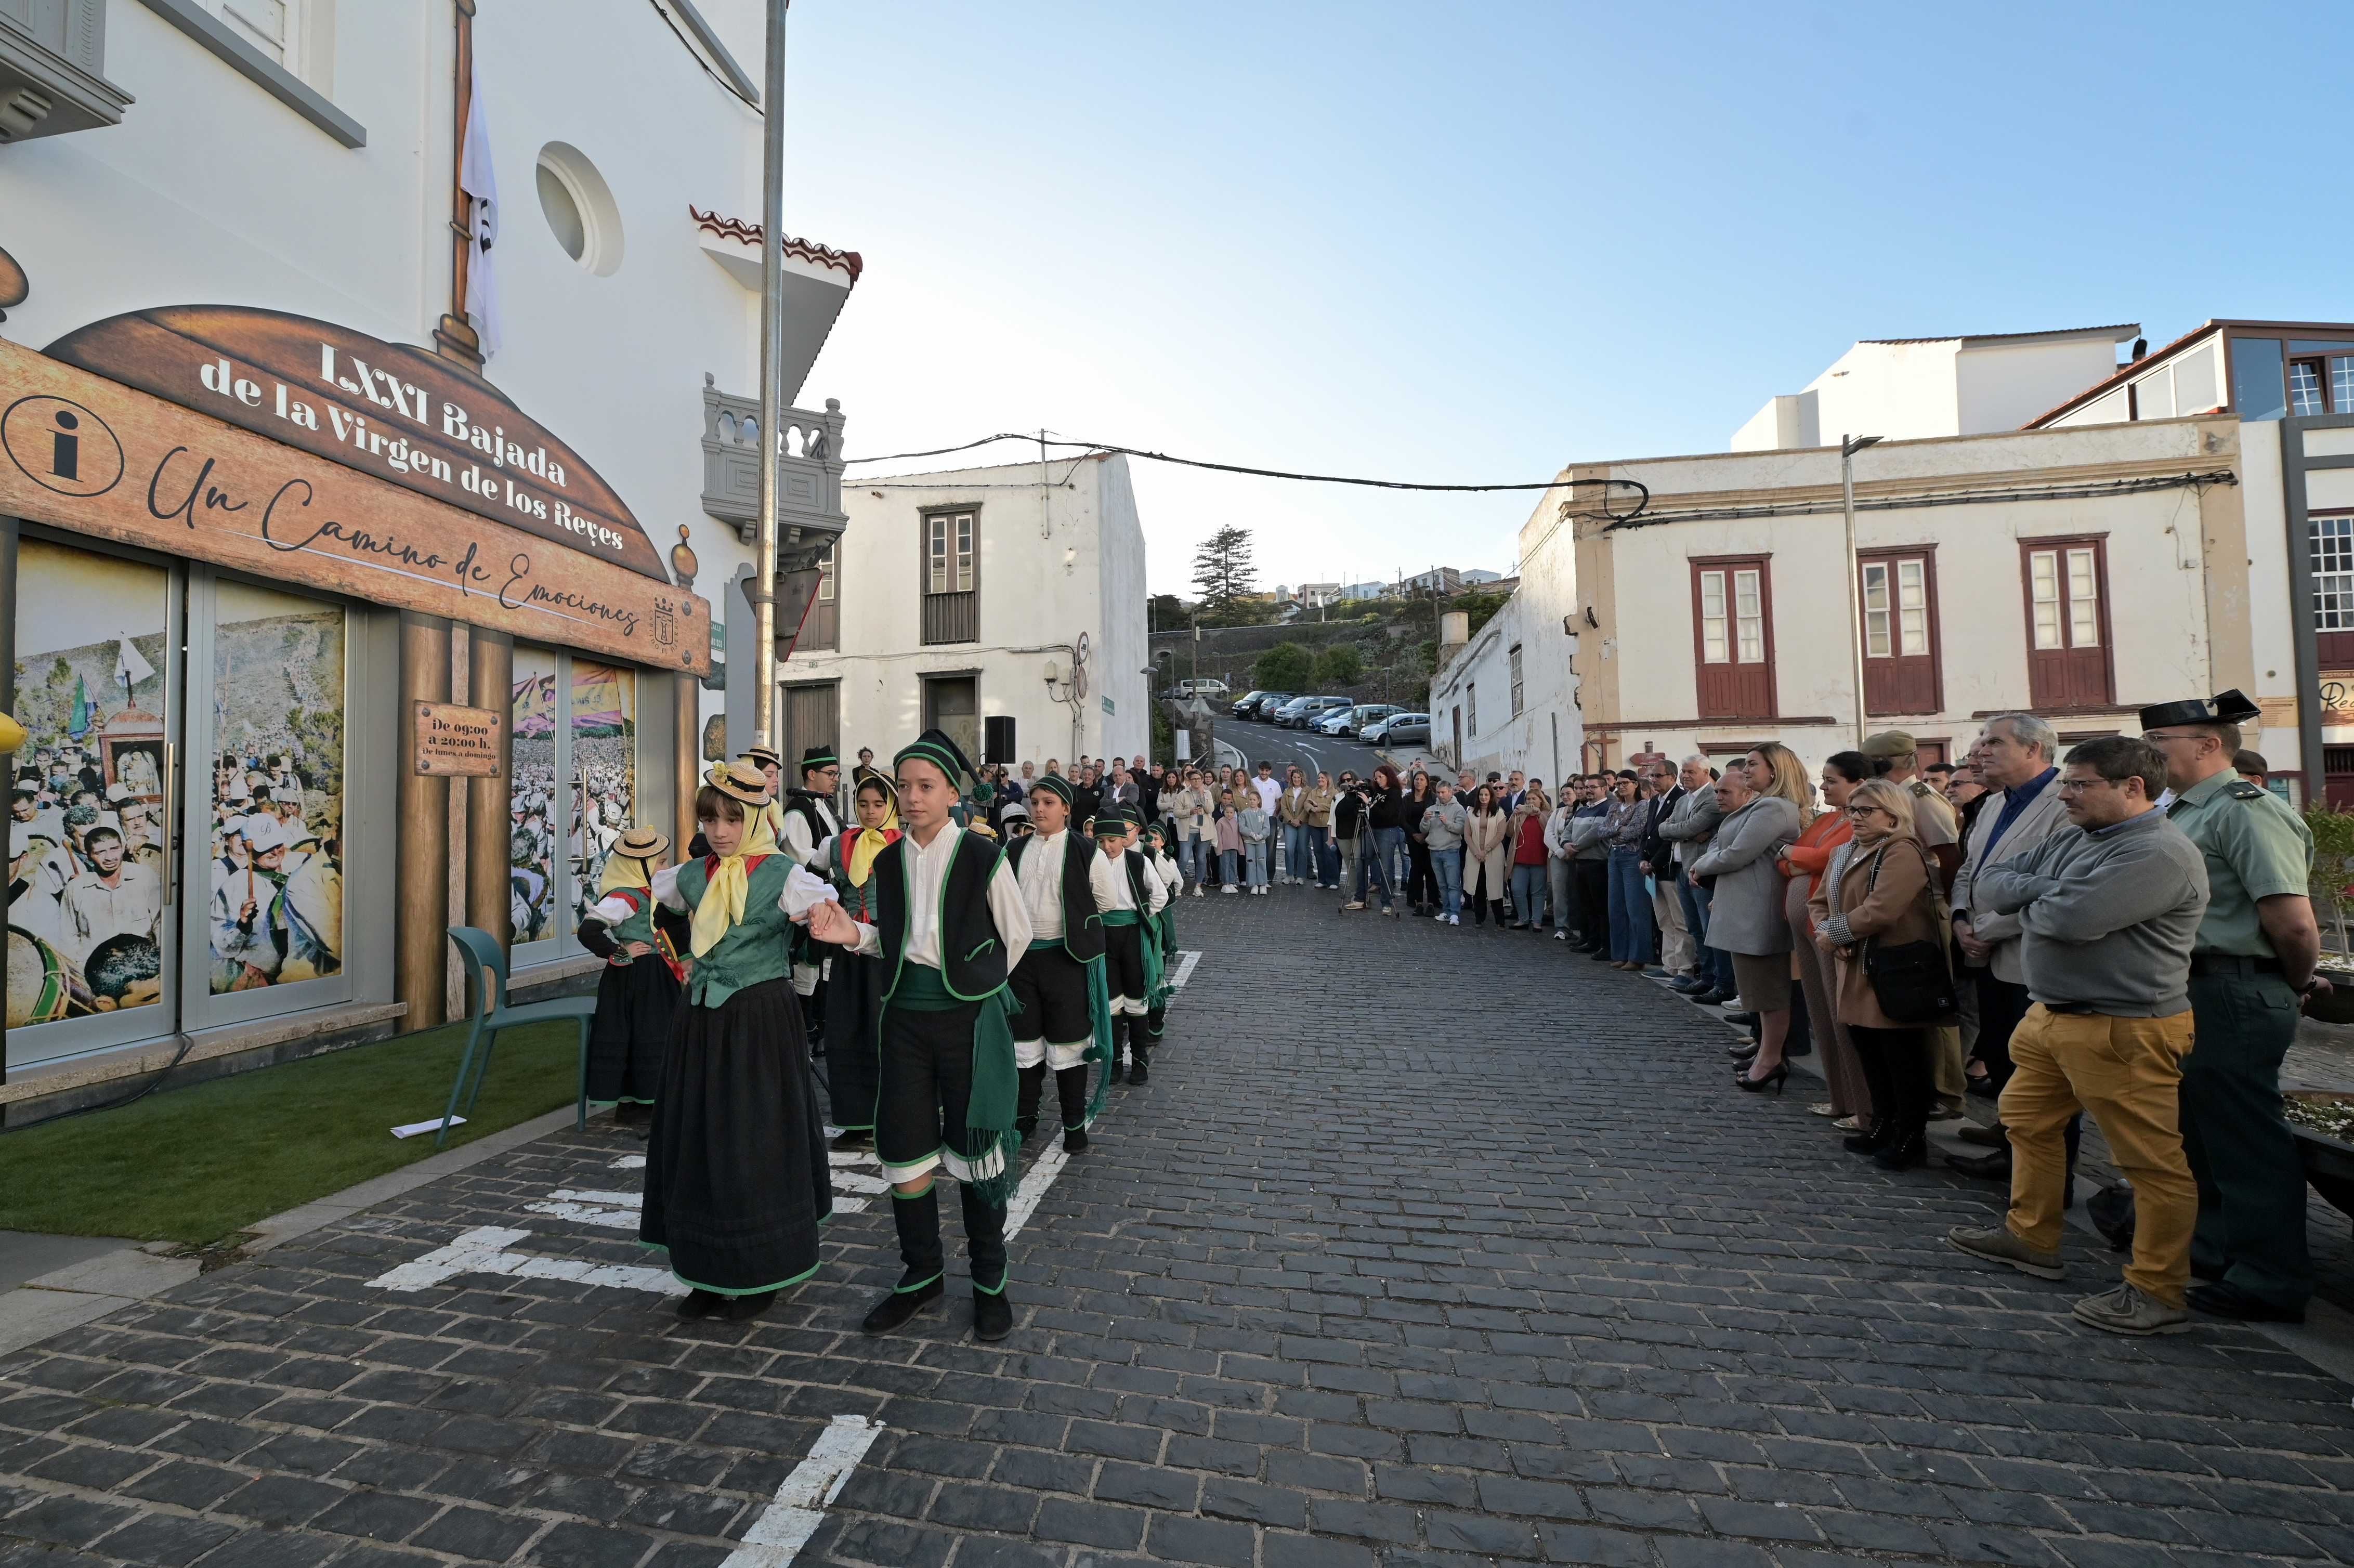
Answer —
375 448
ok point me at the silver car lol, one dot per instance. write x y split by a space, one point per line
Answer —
1398 729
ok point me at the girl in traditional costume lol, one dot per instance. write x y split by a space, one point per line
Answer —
736 1176
855 1019
949 927
638 993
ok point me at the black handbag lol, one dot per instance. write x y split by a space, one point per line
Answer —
1911 981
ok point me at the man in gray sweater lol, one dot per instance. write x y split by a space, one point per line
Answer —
1442 830
2107 910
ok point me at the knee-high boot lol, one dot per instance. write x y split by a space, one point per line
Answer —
984 1250
1071 1088
1140 1051
1031 1081
917 1220
1117 1069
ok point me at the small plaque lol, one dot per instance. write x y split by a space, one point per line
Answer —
455 740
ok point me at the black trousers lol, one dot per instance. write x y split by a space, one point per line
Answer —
1593 902
1124 968
1050 994
2001 1007
1421 882
1896 1068
922 1110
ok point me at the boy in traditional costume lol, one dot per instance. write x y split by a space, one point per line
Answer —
952 926
1061 1005
637 996
1160 928
736 1176
807 820
1129 897
847 860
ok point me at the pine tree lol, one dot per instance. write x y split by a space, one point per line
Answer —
1222 571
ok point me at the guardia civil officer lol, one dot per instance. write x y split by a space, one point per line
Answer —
2251 963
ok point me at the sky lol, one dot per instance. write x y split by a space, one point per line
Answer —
1471 243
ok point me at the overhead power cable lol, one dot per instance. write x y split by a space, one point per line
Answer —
1642 491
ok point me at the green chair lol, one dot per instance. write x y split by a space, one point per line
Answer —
486 968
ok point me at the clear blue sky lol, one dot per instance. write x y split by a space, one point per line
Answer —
1470 243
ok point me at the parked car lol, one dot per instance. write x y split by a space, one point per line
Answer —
1352 721
1201 688
1261 705
1242 703
1398 729
1333 723
1301 712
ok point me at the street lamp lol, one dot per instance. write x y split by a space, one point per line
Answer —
1849 447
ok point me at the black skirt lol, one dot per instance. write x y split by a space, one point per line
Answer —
736 1177
853 1024
635 1004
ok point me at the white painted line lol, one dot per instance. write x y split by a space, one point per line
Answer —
854 1181
778 1536
582 1213
1185 962
1033 1187
622 1199
630 1162
851 1157
483 1250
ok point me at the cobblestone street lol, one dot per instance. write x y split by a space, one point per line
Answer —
1422 1247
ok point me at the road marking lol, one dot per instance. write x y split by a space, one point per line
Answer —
1185 962
778 1536
483 1250
1041 1176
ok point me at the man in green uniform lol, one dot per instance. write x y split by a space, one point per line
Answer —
2253 960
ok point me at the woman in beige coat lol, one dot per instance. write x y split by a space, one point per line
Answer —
1487 833
1882 889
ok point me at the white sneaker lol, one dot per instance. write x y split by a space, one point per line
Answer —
1197 890
1455 919
1439 917
1230 887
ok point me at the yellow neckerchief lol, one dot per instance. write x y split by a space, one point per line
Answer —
868 843
722 904
623 871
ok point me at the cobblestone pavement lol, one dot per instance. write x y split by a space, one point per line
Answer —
1422 1247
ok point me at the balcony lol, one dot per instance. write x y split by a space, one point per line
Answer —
809 473
51 53
951 617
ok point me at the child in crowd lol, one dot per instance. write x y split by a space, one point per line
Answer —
1230 844
1254 827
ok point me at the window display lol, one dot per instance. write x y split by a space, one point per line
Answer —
604 771
532 802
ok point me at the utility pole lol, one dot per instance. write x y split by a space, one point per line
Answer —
1849 447
763 586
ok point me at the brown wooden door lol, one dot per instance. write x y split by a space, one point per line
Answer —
813 717
1733 637
2068 662
1902 670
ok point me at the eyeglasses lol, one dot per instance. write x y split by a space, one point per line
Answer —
1860 812
2078 785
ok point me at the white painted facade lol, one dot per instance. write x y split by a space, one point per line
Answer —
1060 553
1910 389
214 191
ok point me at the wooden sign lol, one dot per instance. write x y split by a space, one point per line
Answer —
392 411
460 741
87 454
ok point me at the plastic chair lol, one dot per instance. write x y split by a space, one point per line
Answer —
486 967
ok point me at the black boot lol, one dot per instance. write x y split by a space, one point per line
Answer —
984 1246
1908 1149
813 1019
1071 1088
1883 1134
1140 1057
1032 1079
918 1219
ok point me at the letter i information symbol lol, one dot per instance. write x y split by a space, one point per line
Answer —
60 446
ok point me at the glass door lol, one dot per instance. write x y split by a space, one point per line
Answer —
91 962
574 792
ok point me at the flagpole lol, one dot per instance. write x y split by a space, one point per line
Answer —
762 589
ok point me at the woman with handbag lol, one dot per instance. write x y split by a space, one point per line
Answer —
1804 863
1880 915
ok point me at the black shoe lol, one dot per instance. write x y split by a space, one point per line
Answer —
1136 1071
992 1316
1026 1126
1904 1153
633 1113
702 1304
1599 956
1771 1080
1982 1088
1742 1051
853 1138
1995 1167
1689 985
1703 998
741 1309
896 1309
2223 1299
1074 1140
1746 1020
1881 1135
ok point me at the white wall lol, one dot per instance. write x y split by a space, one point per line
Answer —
1054 560
1894 390
2003 386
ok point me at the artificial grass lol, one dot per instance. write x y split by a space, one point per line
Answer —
199 1164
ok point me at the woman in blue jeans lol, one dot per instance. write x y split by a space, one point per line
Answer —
1631 932
1382 868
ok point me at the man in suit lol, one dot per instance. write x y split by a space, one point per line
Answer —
1677 953
2015 755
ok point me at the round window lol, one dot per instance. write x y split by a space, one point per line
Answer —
579 209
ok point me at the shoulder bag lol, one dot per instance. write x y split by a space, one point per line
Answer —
1911 981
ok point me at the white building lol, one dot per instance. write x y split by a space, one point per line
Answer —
966 599
236 229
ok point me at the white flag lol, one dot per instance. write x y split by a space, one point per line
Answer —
128 666
477 180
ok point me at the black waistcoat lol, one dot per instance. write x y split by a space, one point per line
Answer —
1083 932
973 961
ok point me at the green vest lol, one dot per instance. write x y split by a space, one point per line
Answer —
639 925
756 949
